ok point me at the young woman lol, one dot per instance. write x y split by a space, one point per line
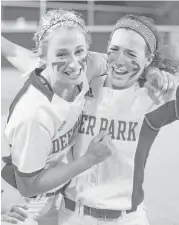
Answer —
111 193
135 72
46 112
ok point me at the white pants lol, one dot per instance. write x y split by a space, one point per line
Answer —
67 217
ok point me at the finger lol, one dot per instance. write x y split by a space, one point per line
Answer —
8 219
153 76
150 87
164 89
154 98
101 135
17 216
110 143
171 86
105 139
20 211
20 206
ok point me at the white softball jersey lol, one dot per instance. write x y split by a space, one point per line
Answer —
133 121
41 125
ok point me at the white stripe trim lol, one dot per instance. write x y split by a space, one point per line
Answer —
176 111
150 125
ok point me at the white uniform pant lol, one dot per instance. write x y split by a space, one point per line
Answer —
67 217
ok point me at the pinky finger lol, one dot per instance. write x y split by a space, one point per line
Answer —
8 219
150 87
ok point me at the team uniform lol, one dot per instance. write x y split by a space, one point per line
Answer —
111 192
38 117
40 130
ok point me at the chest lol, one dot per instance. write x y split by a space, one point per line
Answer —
121 113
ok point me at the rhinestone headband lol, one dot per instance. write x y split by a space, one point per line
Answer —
69 18
141 29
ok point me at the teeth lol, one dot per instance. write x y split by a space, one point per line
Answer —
76 74
120 70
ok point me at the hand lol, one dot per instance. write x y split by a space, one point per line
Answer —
17 213
160 84
100 148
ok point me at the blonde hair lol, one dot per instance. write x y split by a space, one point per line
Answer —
52 19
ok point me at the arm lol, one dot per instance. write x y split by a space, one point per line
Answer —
30 149
164 113
21 58
51 178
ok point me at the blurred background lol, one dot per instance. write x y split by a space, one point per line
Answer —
19 20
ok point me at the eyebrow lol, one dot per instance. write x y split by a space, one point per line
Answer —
117 46
65 49
132 51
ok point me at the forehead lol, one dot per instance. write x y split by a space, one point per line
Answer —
62 37
128 39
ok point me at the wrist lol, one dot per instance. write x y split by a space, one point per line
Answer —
89 160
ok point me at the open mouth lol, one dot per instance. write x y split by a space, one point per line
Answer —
74 75
119 71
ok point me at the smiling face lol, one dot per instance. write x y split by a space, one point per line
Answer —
126 57
66 55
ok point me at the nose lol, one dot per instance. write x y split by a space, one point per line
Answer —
120 60
73 63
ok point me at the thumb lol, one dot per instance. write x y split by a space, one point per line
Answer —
101 135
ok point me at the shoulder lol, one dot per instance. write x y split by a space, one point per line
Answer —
29 110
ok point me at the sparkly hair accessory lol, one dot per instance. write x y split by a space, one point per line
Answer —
141 29
60 17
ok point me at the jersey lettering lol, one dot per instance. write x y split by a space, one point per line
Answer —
118 129
64 140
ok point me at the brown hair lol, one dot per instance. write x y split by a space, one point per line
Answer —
160 61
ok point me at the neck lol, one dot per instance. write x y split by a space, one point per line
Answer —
63 90
109 84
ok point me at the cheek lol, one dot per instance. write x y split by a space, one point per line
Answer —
135 68
82 61
58 66
111 57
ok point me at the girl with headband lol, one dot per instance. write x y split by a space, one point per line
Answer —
46 113
111 192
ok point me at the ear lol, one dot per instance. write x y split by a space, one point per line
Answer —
149 59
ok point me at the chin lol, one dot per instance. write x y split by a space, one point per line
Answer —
119 83
123 83
76 81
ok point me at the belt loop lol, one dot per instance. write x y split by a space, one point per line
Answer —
104 215
123 213
81 209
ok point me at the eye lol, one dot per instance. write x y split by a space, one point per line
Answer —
79 52
131 54
114 49
61 55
